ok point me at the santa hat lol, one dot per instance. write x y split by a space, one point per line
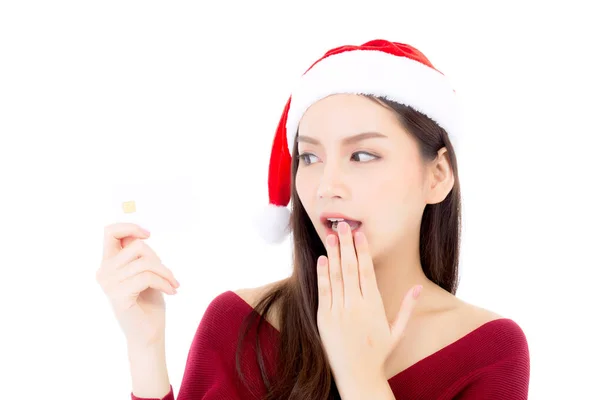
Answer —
396 71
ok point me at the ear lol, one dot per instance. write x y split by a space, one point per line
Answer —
440 177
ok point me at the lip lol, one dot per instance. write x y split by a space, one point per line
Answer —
326 215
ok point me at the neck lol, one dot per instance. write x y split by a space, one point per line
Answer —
397 272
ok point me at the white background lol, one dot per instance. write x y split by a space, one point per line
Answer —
98 93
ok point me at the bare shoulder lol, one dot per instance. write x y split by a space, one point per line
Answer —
442 320
448 310
253 295
450 319
471 316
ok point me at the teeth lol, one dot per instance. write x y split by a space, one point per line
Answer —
335 219
334 224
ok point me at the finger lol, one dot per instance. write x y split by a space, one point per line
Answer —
406 309
115 232
323 283
349 265
366 270
335 271
136 284
136 249
107 269
128 240
143 264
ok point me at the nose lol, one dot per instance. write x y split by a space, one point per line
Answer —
332 183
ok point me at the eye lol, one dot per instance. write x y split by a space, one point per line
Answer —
305 158
365 156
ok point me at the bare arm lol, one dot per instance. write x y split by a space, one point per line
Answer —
148 366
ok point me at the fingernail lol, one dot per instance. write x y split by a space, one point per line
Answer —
147 232
343 227
177 283
417 291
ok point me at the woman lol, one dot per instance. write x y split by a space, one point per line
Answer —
364 151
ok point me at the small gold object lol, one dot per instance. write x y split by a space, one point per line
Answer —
128 207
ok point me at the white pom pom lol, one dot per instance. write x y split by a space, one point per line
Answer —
273 223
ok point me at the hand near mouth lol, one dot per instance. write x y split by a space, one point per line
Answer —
353 326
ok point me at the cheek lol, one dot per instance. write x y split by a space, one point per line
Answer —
305 189
400 187
391 201
389 192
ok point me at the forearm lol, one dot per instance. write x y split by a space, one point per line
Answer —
148 367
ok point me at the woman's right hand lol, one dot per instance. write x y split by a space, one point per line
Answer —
133 278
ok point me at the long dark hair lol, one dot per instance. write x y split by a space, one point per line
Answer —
303 371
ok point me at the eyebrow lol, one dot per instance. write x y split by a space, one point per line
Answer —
345 141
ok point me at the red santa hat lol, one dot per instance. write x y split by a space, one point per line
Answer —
393 70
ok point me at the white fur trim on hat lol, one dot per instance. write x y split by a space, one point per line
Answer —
400 79
273 223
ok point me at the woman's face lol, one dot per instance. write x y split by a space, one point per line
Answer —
358 161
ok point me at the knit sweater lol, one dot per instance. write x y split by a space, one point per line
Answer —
491 362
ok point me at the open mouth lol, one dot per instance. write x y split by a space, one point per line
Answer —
332 223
